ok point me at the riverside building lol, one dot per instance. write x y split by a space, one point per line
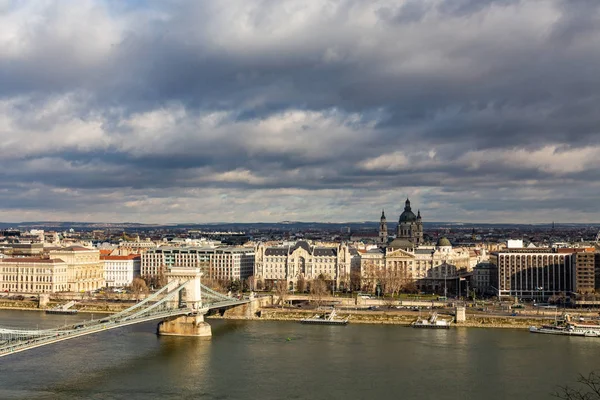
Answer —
33 275
302 261
233 263
85 271
119 271
533 273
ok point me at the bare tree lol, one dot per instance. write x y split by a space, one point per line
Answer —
301 284
318 290
369 276
355 280
344 281
251 283
138 287
590 388
281 290
161 278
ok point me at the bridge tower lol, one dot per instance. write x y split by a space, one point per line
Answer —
190 297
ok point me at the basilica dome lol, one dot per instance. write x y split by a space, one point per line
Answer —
408 216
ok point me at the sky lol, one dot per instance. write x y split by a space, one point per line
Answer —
324 110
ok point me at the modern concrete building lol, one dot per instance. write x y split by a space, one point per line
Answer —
119 271
159 259
33 275
229 263
586 267
533 273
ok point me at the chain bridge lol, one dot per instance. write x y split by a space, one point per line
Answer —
180 306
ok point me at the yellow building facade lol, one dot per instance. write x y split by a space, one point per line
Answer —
85 270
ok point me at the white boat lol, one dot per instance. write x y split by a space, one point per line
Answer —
432 323
327 320
566 327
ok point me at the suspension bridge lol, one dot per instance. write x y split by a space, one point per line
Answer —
180 305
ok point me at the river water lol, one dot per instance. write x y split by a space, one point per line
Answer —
286 360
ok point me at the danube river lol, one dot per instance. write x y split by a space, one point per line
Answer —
286 360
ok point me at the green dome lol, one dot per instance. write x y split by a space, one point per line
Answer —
408 216
443 241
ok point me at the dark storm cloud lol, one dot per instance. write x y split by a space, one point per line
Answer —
290 105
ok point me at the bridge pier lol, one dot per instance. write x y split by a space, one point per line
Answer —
185 325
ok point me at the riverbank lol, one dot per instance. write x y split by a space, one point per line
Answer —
277 314
84 307
390 318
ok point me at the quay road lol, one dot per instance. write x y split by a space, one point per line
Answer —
478 308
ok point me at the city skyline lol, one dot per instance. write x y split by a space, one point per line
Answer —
250 111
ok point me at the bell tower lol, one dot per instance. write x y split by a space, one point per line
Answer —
383 233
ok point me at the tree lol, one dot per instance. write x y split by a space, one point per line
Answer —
318 290
355 280
251 283
590 388
161 278
344 281
301 284
410 287
139 287
234 286
281 290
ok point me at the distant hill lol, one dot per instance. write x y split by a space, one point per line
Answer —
283 225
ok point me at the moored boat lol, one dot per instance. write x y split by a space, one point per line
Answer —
432 323
330 319
567 327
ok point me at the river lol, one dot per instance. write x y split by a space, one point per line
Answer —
287 360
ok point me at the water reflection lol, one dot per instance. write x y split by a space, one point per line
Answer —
272 360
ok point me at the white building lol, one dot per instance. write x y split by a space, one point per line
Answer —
33 275
120 271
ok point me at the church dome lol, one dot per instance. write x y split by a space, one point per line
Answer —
408 216
443 242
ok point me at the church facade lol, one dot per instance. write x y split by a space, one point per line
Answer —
407 256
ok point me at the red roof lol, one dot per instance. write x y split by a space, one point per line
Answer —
129 257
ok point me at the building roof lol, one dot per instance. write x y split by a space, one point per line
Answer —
276 251
76 248
400 243
115 258
443 242
325 251
31 260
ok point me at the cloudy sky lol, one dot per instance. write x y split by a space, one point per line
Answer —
324 110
